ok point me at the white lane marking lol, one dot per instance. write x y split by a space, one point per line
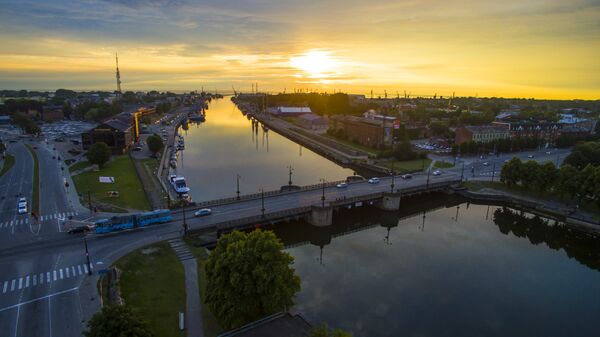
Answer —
12 285
85 268
11 222
61 273
41 278
5 287
27 220
34 280
48 277
79 269
54 272
18 305
73 271
27 282
68 272
20 282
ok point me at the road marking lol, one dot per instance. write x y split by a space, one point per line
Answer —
11 222
79 269
12 285
68 273
27 282
41 278
34 280
48 277
5 287
20 282
73 271
54 272
61 274
38 299
85 268
27 220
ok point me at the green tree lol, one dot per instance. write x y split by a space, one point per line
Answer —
99 154
117 321
529 174
511 172
567 181
584 154
324 331
155 143
546 177
248 276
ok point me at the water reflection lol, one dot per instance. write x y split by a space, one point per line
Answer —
443 267
221 148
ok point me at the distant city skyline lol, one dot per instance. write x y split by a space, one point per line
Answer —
538 48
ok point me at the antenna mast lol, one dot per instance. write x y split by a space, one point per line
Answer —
118 74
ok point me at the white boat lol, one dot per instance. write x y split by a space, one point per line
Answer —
178 184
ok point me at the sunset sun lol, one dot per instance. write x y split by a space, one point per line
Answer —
315 63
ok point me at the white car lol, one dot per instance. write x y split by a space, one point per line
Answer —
530 156
486 164
203 212
22 209
341 185
437 172
374 180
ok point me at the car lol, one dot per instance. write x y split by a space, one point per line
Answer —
203 212
374 180
137 148
486 164
437 172
22 200
22 209
406 176
12 141
341 185
548 152
79 229
35 147
530 156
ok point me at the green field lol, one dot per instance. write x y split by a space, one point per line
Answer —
127 183
9 162
407 165
442 164
35 190
212 327
153 282
79 166
371 151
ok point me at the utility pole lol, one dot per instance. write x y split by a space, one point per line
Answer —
262 200
393 174
87 256
493 171
238 186
323 195
462 172
290 180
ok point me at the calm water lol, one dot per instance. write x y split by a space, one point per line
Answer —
489 272
226 145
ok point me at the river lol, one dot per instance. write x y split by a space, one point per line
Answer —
226 145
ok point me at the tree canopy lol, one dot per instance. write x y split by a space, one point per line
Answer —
584 154
155 143
99 154
324 331
249 276
117 321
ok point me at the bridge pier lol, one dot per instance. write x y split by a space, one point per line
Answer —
389 202
320 216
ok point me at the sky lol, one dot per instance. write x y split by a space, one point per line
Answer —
509 48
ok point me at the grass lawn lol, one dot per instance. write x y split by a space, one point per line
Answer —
478 185
35 190
9 162
153 282
371 151
127 182
212 327
79 166
442 164
414 165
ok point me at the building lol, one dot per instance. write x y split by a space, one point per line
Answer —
481 133
547 131
292 111
313 122
118 133
52 113
571 122
368 132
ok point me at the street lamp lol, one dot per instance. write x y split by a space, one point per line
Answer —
87 256
262 199
238 186
392 186
462 172
323 195
428 172
493 171
185 228
290 180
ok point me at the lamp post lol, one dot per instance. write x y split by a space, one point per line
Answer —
323 195
238 186
462 172
290 175
184 222
392 185
493 171
87 256
428 172
262 200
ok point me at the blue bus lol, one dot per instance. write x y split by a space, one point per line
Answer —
158 216
130 221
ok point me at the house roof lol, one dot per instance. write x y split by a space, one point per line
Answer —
293 109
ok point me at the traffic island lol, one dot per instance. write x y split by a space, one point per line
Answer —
35 191
9 162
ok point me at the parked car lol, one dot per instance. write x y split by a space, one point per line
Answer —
406 176
374 180
203 212
437 172
341 185
79 229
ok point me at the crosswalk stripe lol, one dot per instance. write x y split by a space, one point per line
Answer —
73 271
12 285
26 220
20 282
79 269
41 278
54 272
27 282
5 286
48 277
61 274
34 280
11 222
68 272
85 268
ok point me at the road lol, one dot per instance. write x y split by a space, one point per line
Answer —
43 278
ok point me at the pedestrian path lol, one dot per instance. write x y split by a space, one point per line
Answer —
38 279
15 222
61 215
181 249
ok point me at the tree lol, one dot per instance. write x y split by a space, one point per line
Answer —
248 276
511 172
546 177
324 331
567 180
584 154
99 153
117 321
155 143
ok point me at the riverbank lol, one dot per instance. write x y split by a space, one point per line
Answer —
493 192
